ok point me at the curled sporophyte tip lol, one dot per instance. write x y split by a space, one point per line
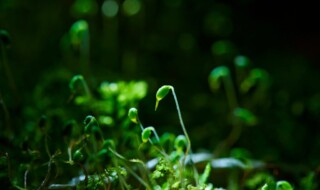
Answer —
146 133
219 72
89 119
91 124
180 142
73 81
216 74
161 93
133 115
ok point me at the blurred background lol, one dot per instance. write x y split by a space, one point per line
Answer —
172 42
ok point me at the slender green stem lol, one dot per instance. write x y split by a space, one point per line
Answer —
236 127
156 135
181 122
123 182
115 161
230 92
86 88
46 144
141 126
70 154
161 93
230 140
137 177
196 175
161 150
45 182
25 177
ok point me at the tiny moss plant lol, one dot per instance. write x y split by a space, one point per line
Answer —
161 93
246 81
80 41
256 77
106 151
245 116
215 77
171 170
92 125
73 85
279 185
133 115
146 133
223 73
180 143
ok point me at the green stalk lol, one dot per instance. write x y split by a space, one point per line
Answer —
181 122
116 154
86 88
161 93
233 104
133 116
230 92
84 84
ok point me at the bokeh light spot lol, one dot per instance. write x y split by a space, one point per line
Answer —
218 24
131 7
222 47
241 61
110 8
83 8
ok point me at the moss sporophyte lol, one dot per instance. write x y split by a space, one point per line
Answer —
161 93
119 155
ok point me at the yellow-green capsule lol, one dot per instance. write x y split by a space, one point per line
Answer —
74 80
91 124
216 74
180 142
283 185
241 61
133 115
161 93
146 133
78 31
245 116
256 76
